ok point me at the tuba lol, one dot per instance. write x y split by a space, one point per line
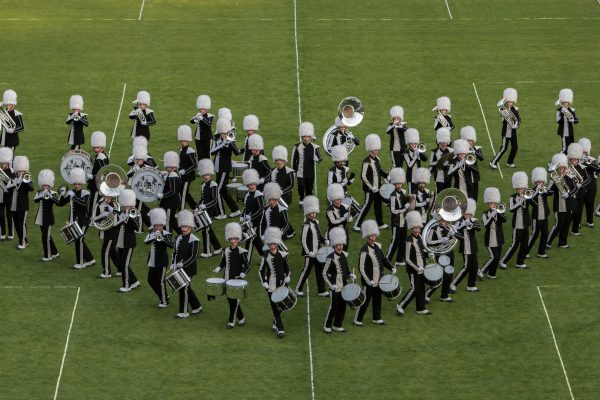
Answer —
507 114
349 143
351 111
5 119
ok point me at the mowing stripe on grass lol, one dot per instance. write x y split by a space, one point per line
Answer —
298 65
141 10
486 127
555 344
62 364
117 121
38 287
448 7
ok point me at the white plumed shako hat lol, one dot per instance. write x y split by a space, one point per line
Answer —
423 175
369 227
335 191
510 94
411 136
255 142
337 236
158 216
6 155
203 101
206 167
310 205
224 113
140 153
250 123
127 198
143 97
21 163
574 151
76 102
10 97
372 142
539 174
280 153
414 220
397 111
272 235
223 125
339 153
565 95
98 139
272 190
519 180
442 135
185 218
77 175
233 230
140 141
46 177
471 207
338 122
250 176
171 159
442 103
397 175
468 133
184 132
461 146
306 129
586 145
491 195
560 160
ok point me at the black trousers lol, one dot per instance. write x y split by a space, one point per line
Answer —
540 228
446 282
6 220
566 141
124 256
47 241
172 225
514 147
560 228
577 214
371 293
109 253
254 243
416 290
491 265
208 236
156 280
276 314
93 201
439 186
222 181
397 158
187 295
305 187
470 269
336 311
235 310
203 148
20 224
186 197
143 218
82 251
519 242
588 201
370 199
309 262
397 244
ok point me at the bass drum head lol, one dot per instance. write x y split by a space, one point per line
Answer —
433 274
443 260
280 294
75 159
386 190
323 252
351 292
147 183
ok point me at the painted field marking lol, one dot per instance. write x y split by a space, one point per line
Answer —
117 121
141 10
486 127
448 7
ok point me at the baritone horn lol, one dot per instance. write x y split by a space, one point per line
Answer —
141 115
5 119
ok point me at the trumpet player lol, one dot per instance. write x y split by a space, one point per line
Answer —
565 200
582 180
440 172
539 212
188 163
19 205
338 214
423 196
460 170
203 121
46 198
275 214
160 241
311 241
6 220
258 161
592 169
511 120
142 116
127 225
442 119
468 133
413 155
565 118
140 160
253 210
521 221
340 172
100 159
399 203
396 130
468 247
493 220
209 195
283 175
222 149
305 157
250 125
9 137
76 121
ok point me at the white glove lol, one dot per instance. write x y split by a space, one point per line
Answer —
10 130
373 283
352 276
374 190
144 123
286 279
261 181
242 275
578 185
265 285
17 180
333 287
173 267
89 177
444 239
350 218
201 206
394 270
565 195
109 209
199 117
179 264
182 172
326 242
160 195
344 182
312 254
420 270
70 193
216 270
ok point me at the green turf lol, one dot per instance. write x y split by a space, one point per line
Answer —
494 345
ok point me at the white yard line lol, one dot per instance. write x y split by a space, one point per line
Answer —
486 127
38 287
62 364
569 286
297 65
555 344
117 121
141 10
448 7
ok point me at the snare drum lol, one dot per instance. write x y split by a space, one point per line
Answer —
232 189
241 192
71 232
248 231
386 190
323 252
201 221
353 295
215 286
237 169
236 288
449 270
433 275
353 206
390 286
284 298
178 279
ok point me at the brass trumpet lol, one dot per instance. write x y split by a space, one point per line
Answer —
470 159
47 194
528 194
500 208
421 148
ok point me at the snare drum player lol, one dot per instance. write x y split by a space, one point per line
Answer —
399 203
9 137
223 148
539 212
209 193
565 197
440 171
184 256
511 120
78 199
258 161
396 130
76 121
170 198
415 266
566 118
521 220
253 210
468 133
127 225
234 262
305 158
6 221
337 275
413 155
99 159
340 172
468 247
160 241
311 241
338 214
460 170
274 213
46 198
203 121
370 263
592 168
142 115
19 204
282 174
442 119
274 272
371 174
188 162
494 235
250 124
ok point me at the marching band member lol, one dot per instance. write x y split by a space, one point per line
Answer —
105 207
371 177
337 275
441 174
208 202
311 241
78 199
566 118
413 157
46 197
184 256
511 120
442 119
77 121
592 168
494 235
274 213
371 262
396 130
257 160
565 198
223 148
539 212
423 196
521 220
142 115
20 199
6 220
575 154
170 198
188 162
234 262
282 174
250 124
100 159
305 158
140 160
274 272
203 121
160 241
340 135
340 172
468 133
399 203
127 226
441 234
253 210
140 141
468 247
338 214
10 137
415 266
460 170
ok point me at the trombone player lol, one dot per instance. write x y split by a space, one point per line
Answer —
11 120
511 120
521 220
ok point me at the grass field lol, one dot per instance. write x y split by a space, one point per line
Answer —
496 344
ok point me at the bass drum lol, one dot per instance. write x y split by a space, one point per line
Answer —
147 183
75 159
